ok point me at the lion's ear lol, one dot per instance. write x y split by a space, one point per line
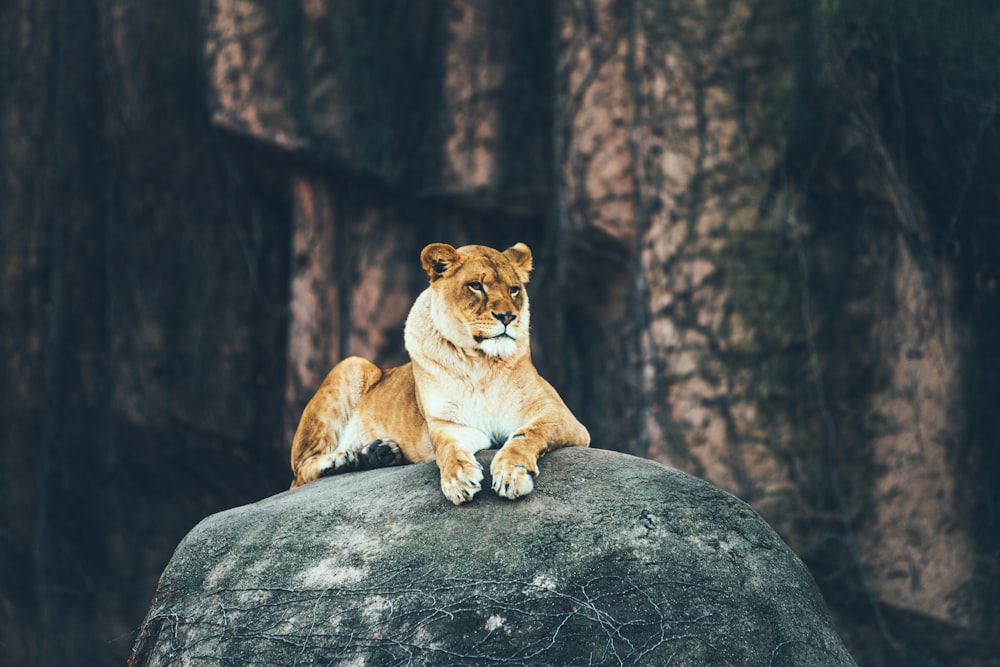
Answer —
520 256
437 258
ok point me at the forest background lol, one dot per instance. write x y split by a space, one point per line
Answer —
767 240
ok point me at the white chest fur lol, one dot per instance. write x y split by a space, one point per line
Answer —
464 387
495 416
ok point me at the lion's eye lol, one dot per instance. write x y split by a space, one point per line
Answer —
515 290
475 286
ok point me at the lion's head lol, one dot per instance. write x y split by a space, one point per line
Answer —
479 301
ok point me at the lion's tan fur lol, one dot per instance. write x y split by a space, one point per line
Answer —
470 385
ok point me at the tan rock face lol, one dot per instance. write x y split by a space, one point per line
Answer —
473 82
917 550
249 92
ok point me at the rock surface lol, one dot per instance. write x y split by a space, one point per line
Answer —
612 560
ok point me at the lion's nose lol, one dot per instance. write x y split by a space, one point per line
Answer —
505 318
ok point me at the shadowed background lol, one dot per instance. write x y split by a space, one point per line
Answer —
767 240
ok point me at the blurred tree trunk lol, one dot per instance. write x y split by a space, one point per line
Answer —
765 248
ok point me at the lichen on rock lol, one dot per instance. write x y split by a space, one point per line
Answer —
640 565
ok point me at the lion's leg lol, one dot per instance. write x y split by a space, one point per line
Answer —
326 439
389 423
455 448
516 464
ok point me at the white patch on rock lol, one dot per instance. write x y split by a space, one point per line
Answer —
495 622
221 572
426 639
543 580
375 608
714 545
330 572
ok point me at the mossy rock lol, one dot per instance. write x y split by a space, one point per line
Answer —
612 560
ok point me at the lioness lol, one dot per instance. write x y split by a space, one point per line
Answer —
470 385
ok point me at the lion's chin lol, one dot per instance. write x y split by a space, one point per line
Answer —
498 346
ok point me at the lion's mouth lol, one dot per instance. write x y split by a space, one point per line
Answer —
502 334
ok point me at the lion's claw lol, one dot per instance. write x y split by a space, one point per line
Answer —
512 480
462 483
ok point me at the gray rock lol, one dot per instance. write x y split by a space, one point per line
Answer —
612 560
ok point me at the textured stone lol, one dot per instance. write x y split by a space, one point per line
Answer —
612 560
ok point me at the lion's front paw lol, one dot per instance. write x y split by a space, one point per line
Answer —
340 460
512 479
460 481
